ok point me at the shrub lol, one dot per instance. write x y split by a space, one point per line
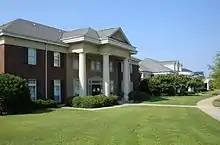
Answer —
215 93
138 96
42 104
14 95
94 101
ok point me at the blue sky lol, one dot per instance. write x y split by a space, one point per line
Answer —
185 30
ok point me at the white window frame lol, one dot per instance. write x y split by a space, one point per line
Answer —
33 83
57 83
111 68
32 56
76 88
56 59
76 64
96 65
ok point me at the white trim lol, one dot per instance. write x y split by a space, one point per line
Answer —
34 98
57 83
120 30
30 57
58 59
79 39
33 39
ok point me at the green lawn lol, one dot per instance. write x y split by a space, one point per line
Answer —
119 126
216 103
178 100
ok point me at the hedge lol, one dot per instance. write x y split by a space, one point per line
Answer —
171 84
43 104
14 95
94 101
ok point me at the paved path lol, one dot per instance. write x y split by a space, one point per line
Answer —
207 107
124 105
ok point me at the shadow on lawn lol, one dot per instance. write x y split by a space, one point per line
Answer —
42 111
156 99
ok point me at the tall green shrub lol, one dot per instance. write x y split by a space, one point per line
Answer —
14 94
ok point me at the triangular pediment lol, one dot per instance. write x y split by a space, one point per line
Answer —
120 36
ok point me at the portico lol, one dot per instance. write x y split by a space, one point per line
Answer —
97 58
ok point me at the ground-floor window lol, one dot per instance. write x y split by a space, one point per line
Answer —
75 87
112 87
32 85
57 91
131 86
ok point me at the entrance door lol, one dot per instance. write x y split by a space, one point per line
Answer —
96 90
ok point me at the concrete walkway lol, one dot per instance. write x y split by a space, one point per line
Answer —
207 107
124 105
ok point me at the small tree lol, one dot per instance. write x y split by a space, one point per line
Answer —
14 94
215 71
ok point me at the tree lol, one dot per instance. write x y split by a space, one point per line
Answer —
215 71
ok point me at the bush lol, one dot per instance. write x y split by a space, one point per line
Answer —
43 104
138 96
215 93
14 95
94 101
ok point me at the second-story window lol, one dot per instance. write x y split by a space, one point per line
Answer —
111 68
56 58
76 64
131 69
32 56
96 66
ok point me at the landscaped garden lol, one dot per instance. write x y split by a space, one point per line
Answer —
122 126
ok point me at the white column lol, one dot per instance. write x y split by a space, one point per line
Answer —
106 76
82 74
208 84
126 78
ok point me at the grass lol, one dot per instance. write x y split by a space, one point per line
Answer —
119 126
216 103
178 100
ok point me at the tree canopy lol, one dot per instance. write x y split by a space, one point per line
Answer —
215 71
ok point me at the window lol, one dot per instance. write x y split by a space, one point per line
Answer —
56 58
111 87
93 65
75 64
96 65
111 68
122 66
131 70
32 85
57 91
75 87
131 86
32 56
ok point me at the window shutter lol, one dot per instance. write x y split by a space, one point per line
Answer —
62 90
52 89
25 55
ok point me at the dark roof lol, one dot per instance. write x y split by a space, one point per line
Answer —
31 29
199 73
154 66
186 70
